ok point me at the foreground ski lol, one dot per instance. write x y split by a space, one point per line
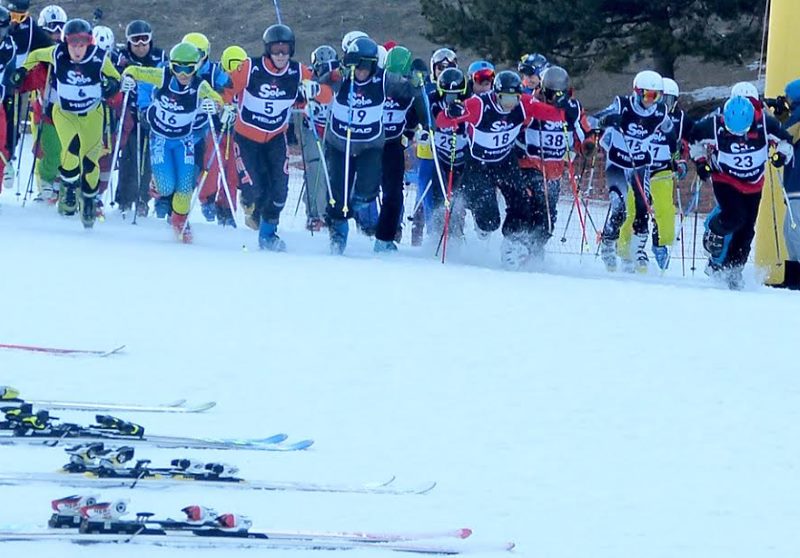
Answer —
62 352
186 540
273 443
176 407
94 482
11 396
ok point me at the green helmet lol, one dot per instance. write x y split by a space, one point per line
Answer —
182 56
185 53
398 61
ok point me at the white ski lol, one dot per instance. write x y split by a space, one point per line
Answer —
76 480
179 406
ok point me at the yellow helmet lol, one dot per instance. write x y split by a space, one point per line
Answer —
200 41
232 57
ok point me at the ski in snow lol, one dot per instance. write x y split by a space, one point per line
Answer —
92 481
272 443
186 540
177 407
62 352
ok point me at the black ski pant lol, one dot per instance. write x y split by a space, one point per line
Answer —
481 182
267 166
366 170
394 167
735 215
531 205
130 188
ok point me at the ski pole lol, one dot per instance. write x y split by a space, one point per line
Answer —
323 163
21 139
350 98
421 199
277 11
789 211
305 188
448 210
574 184
224 178
432 140
680 211
138 166
115 153
696 204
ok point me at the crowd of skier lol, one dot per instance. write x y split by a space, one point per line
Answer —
183 128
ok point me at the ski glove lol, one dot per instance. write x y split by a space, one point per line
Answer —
417 79
703 170
611 121
17 77
778 159
128 84
779 105
310 89
454 110
109 87
783 154
680 168
228 116
209 107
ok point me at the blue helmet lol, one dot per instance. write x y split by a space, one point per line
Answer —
793 91
479 65
738 114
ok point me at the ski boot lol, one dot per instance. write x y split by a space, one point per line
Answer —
662 256
366 217
88 210
225 217
181 227
384 246
99 209
209 209
714 245
314 224
142 208
338 230
638 247
163 207
608 253
514 252
68 199
268 240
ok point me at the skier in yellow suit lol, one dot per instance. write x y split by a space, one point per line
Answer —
85 77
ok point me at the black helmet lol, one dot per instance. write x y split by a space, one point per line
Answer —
362 52
452 82
508 82
532 64
18 5
555 78
77 27
324 59
278 33
138 28
419 66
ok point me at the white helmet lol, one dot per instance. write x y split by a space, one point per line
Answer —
744 89
649 80
103 37
350 37
671 87
382 53
50 16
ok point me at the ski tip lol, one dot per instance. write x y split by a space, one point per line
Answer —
176 403
464 533
274 439
510 545
113 351
428 488
297 446
202 407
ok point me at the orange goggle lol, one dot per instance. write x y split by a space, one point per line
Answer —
18 17
482 76
649 95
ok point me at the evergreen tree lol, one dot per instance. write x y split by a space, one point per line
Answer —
610 32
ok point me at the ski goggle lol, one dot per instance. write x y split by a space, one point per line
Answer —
78 39
508 99
18 17
279 49
141 39
451 96
367 64
649 95
482 76
182 69
54 27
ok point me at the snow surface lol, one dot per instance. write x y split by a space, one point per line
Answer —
577 413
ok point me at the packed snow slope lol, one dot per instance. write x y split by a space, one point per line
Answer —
579 414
